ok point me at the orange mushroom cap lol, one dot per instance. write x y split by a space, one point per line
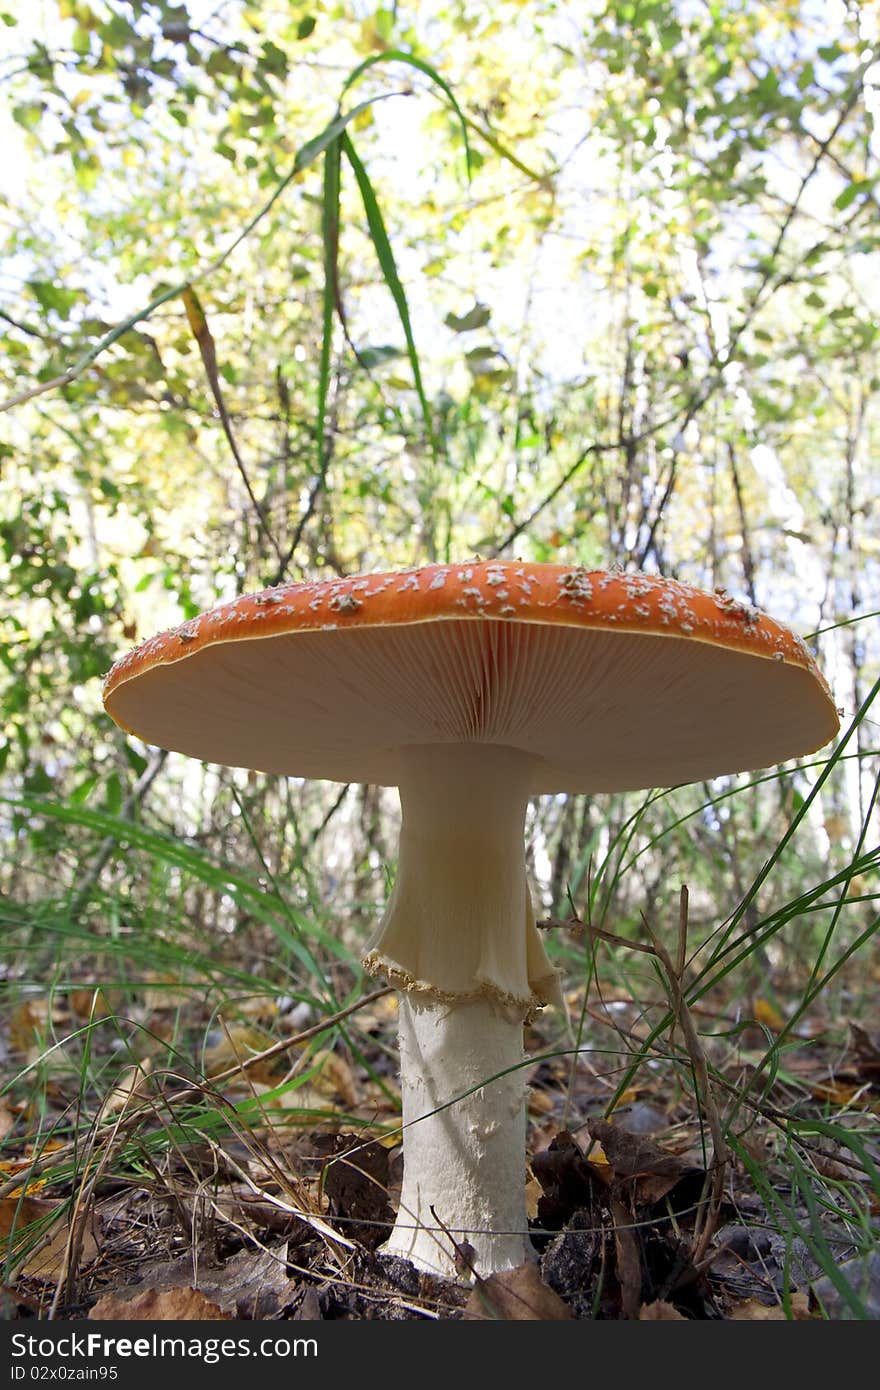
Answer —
610 681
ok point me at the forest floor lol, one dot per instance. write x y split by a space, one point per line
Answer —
174 1198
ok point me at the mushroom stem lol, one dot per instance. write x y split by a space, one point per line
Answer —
459 938
459 922
467 1160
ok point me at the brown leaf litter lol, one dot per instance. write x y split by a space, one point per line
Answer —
518 1295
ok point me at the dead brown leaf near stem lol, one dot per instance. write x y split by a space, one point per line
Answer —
630 1166
565 1178
616 1248
518 1295
640 1169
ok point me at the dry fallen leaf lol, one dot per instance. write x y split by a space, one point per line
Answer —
382 1011
836 828
627 1097
284 1100
47 1258
381 1100
20 1165
309 1309
515 1295
162 994
541 1102
534 1192
89 1003
30 1024
660 1311
243 1042
253 1284
18 1212
628 1261
647 1172
564 1176
158 1305
128 1088
258 1009
754 1311
867 1053
768 1014
844 1094
333 1077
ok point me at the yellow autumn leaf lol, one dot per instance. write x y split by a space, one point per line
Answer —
628 1096
126 1090
768 1014
333 1077
20 1165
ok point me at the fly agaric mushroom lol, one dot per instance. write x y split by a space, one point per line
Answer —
472 687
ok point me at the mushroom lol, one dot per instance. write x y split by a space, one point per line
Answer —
472 687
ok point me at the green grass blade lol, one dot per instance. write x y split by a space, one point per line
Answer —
387 263
399 55
330 237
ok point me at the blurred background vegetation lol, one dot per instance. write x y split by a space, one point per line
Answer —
304 289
